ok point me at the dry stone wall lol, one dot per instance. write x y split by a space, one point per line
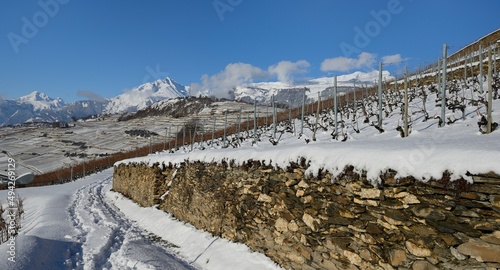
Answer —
305 222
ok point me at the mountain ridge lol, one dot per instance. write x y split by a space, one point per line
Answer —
39 107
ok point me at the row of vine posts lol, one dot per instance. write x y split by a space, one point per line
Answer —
340 113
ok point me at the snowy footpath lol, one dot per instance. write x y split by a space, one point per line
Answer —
84 225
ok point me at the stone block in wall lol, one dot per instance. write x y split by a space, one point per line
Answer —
481 250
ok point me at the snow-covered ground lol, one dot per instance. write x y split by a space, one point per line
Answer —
84 225
44 149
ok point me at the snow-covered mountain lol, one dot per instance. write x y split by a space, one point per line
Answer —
84 108
40 101
290 93
35 107
145 95
39 107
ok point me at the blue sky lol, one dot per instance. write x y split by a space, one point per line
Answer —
61 47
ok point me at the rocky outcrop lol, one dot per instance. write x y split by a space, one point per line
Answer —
305 222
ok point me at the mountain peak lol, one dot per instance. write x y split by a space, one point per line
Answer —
35 96
144 95
167 82
41 101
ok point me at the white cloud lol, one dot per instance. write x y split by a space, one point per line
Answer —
285 69
233 75
364 60
236 74
392 59
195 89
